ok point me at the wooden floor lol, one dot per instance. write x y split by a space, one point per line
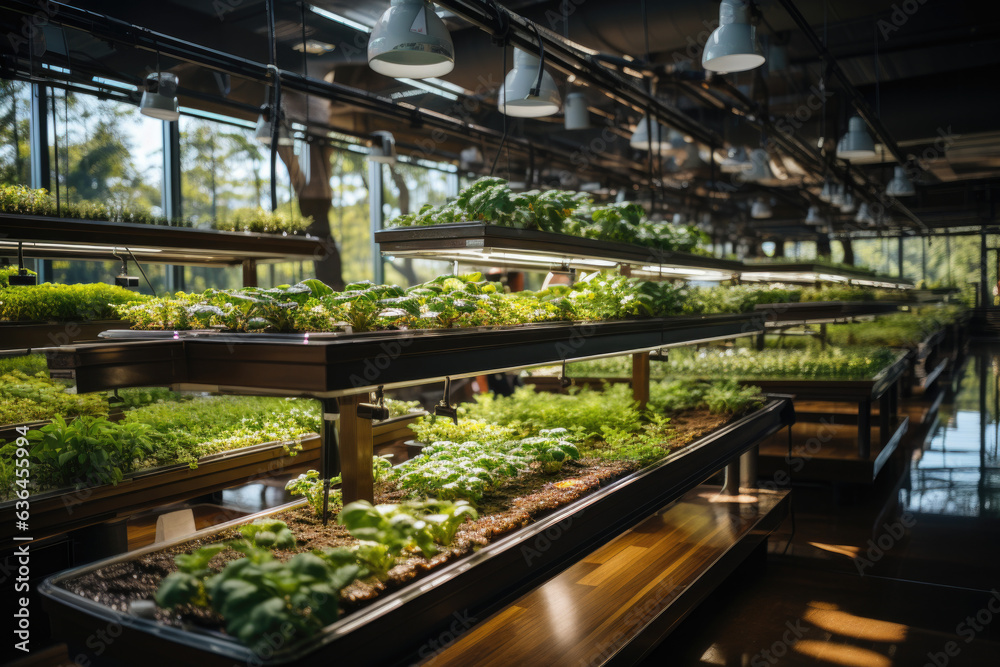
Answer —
588 612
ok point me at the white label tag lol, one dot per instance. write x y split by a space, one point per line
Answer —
420 22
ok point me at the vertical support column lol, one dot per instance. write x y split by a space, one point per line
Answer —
171 192
41 168
822 336
731 487
985 293
885 420
640 378
451 185
864 429
748 467
250 273
357 450
41 171
329 450
899 255
375 201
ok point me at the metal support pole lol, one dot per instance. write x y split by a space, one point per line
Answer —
640 378
731 487
41 171
748 468
900 256
985 293
329 450
376 199
171 194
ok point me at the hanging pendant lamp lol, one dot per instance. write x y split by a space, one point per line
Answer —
733 46
410 40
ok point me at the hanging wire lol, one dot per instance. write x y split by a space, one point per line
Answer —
503 138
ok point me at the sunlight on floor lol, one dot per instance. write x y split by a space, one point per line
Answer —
841 654
856 627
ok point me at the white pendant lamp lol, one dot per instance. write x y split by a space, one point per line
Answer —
679 219
528 91
159 98
837 195
263 130
813 216
576 116
761 209
410 40
736 162
826 194
759 166
733 46
856 142
864 215
848 204
650 135
383 148
900 185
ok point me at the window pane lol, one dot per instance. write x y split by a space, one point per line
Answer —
225 170
407 188
15 115
105 152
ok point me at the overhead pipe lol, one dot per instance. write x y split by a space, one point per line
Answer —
117 31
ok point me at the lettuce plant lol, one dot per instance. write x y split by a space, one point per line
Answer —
268 534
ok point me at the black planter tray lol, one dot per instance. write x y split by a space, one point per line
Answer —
395 625
28 336
483 244
785 314
61 510
81 239
811 272
354 363
838 390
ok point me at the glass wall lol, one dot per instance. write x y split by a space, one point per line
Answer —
105 152
15 129
225 170
407 188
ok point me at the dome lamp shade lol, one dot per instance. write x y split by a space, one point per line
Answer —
900 185
263 130
856 142
410 40
761 210
383 148
733 46
736 161
848 205
576 116
813 217
528 91
159 98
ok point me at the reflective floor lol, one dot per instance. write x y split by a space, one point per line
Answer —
906 572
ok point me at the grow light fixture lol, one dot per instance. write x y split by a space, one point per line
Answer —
22 278
856 142
410 40
444 408
761 209
733 46
528 91
123 279
900 185
383 148
576 116
263 129
159 99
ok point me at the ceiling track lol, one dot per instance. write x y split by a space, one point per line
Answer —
573 58
124 33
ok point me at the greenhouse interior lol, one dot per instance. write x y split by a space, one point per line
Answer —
500 332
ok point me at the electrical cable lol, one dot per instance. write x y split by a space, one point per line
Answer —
139 266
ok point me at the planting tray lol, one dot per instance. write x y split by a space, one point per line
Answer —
817 312
27 336
394 626
350 364
59 511
491 245
810 273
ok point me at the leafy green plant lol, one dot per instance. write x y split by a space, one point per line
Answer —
421 525
259 596
64 303
263 222
268 534
549 449
310 486
430 429
86 451
848 364
37 397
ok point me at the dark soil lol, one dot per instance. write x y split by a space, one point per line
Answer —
514 505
